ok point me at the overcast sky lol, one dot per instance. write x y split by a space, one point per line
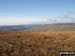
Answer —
13 12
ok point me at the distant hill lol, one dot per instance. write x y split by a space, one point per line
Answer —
17 27
55 27
40 27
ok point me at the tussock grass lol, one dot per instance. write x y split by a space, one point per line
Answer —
35 43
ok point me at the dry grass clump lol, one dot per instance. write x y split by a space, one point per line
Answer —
28 43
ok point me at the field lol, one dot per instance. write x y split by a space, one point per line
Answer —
36 43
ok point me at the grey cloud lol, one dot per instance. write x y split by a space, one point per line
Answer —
48 19
71 12
66 17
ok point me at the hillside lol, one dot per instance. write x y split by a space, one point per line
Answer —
28 43
56 27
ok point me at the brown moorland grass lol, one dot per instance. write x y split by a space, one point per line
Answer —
37 43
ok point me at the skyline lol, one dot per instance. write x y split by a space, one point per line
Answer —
17 12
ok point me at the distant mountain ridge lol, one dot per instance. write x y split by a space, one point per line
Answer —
17 27
40 27
56 27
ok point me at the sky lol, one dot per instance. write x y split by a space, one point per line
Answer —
18 12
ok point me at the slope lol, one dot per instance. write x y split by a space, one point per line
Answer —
56 27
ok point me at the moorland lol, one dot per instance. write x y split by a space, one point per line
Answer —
36 43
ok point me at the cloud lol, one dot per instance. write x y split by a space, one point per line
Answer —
7 19
66 17
71 12
48 20
18 19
